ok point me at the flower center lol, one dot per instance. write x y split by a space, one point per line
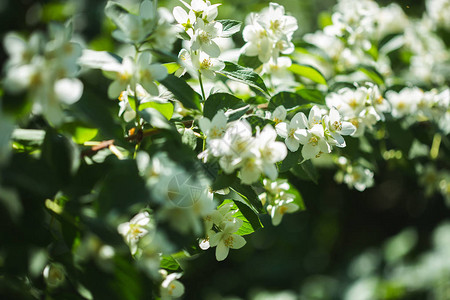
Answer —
229 241
206 63
314 141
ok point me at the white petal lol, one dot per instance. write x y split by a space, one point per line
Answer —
68 90
309 151
205 125
281 129
347 128
212 49
292 144
271 171
238 241
221 251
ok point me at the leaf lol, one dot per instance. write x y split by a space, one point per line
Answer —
249 61
244 75
230 27
256 121
156 119
166 109
249 194
312 95
182 91
306 171
189 138
372 73
298 198
222 101
223 181
291 160
171 67
83 134
308 72
253 223
169 263
60 154
287 99
250 219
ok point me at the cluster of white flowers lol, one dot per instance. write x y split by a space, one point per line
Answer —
363 106
202 33
355 176
46 69
267 35
236 148
278 198
439 10
317 133
221 227
417 105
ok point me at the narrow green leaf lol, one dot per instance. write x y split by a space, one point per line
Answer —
308 72
230 27
244 75
182 91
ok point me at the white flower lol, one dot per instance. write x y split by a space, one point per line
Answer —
405 102
133 28
204 35
337 128
171 287
206 65
215 128
270 150
147 73
279 114
313 141
226 239
290 131
204 9
281 207
135 229
280 76
122 75
358 177
278 24
257 40
54 275
184 19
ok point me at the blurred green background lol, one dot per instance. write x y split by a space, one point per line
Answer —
312 254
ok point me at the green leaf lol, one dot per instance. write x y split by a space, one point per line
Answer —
312 95
291 160
248 193
230 27
308 72
249 61
182 91
306 171
84 134
223 181
166 109
60 154
252 224
169 263
244 75
189 138
372 73
250 219
298 198
287 99
222 101
171 67
156 119
256 121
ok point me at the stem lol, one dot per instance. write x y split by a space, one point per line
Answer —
201 85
